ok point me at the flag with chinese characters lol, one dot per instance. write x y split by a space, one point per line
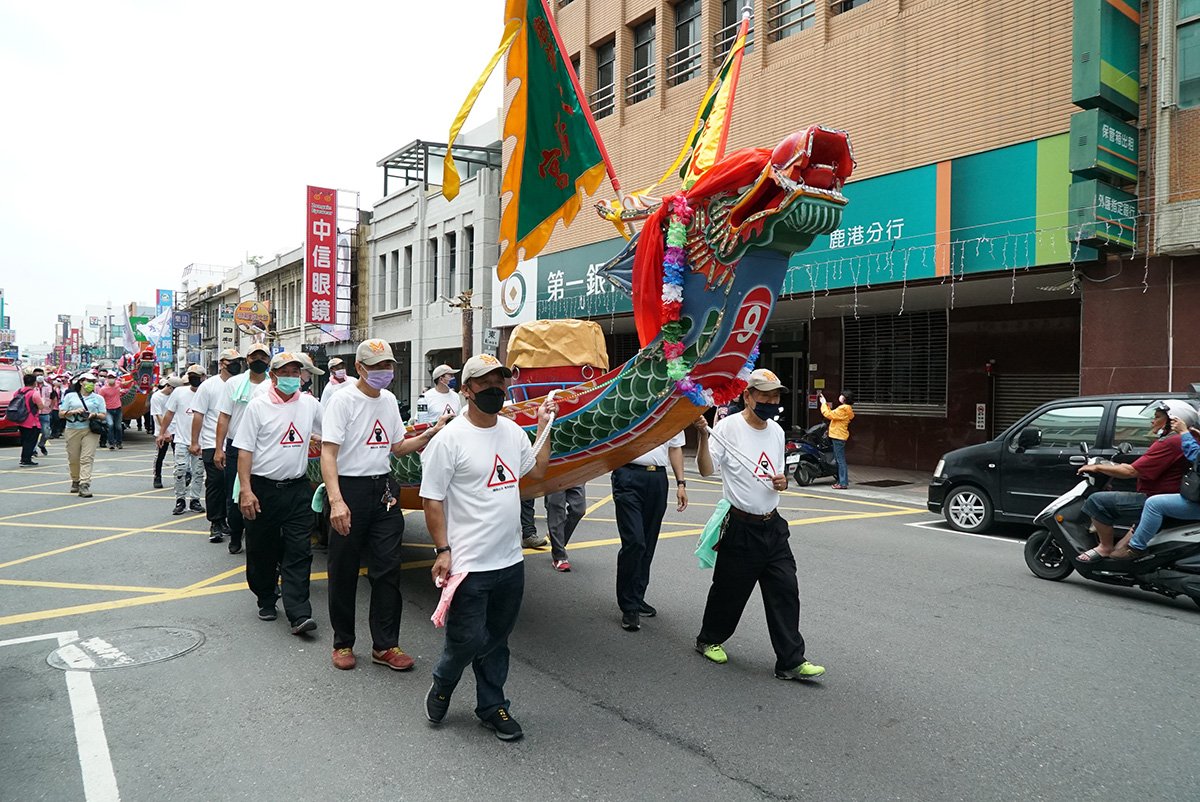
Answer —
320 277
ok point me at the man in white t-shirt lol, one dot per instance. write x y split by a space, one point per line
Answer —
360 430
754 547
439 399
337 381
275 495
231 406
639 491
470 489
158 408
205 411
177 428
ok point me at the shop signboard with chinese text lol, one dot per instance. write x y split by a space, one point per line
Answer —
320 272
1103 147
1103 216
570 283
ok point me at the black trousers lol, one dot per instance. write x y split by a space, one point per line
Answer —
214 487
277 545
29 441
233 513
158 461
376 534
756 552
640 498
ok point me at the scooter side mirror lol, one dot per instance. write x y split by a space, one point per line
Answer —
1125 448
1030 437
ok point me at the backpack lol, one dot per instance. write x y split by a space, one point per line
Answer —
18 408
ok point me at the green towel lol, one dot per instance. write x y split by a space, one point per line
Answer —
711 534
241 390
318 502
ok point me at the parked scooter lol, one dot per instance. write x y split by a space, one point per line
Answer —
1171 565
809 454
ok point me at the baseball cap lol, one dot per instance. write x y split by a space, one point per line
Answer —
86 377
195 370
307 363
442 370
336 362
176 381
258 348
286 358
229 353
765 381
372 352
481 364
162 382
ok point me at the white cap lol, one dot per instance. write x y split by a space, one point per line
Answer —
481 364
442 370
372 352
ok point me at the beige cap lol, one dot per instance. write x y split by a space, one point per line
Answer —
229 353
481 364
286 358
764 380
336 362
307 362
258 348
442 370
372 352
176 381
195 370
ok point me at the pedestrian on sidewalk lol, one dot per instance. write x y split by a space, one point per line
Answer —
205 411
753 550
275 495
177 425
839 417
30 427
111 394
158 408
238 392
470 491
639 490
360 430
80 406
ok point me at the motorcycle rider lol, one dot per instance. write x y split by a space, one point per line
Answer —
1158 471
1175 505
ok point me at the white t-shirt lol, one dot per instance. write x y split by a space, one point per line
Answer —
180 405
158 404
331 390
433 404
364 428
659 456
207 403
475 472
236 409
278 434
740 486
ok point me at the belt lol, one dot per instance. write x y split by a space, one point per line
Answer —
751 516
633 466
376 478
278 482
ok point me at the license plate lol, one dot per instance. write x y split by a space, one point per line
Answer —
791 461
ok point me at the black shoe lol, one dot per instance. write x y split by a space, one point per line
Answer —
436 705
225 530
504 725
302 625
180 507
235 544
215 535
647 610
195 506
267 613
30 464
630 622
45 453
157 483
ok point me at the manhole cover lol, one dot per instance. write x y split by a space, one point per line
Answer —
125 648
885 483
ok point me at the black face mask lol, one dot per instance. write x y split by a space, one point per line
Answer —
195 380
306 386
766 411
258 367
490 401
234 368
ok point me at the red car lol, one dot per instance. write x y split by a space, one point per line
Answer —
10 382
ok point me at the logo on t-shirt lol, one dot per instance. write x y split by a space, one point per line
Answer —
766 468
292 436
378 436
502 475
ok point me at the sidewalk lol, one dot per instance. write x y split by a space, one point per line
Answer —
887 485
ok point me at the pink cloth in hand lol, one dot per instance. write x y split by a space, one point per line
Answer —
439 614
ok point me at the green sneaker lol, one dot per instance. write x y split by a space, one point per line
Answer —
802 672
712 651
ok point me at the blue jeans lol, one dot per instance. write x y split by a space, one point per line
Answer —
481 616
45 418
1170 505
839 453
115 419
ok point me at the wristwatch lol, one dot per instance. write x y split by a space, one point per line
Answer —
440 549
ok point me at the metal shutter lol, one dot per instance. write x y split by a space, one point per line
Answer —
1018 394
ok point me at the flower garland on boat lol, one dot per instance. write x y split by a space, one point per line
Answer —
675 269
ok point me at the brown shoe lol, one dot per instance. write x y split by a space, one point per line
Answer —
393 658
344 659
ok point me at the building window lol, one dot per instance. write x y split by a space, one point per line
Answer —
684 63
381 283
896 364
838 6
468 260
433 270
639 84
1188 53
786 17
393 281
604 98
448 275
408 276
731 20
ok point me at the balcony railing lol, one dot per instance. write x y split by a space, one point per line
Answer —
639 84
786 17
602 101
684 64
723 40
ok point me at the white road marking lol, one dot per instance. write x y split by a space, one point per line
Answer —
95 762
939 525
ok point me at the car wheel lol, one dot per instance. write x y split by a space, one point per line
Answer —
968 509
1046 558
804 475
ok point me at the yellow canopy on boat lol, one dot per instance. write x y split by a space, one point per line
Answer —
555 343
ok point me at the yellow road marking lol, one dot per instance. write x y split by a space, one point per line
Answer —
598 504
85 544
213 579
74 506
30 583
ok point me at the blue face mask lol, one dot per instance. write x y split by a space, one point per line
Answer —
288 384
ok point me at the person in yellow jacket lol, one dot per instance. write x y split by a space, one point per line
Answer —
839 418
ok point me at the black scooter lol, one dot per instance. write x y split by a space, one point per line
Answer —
1171 565
809 454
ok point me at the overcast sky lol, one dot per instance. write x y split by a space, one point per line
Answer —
142 136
